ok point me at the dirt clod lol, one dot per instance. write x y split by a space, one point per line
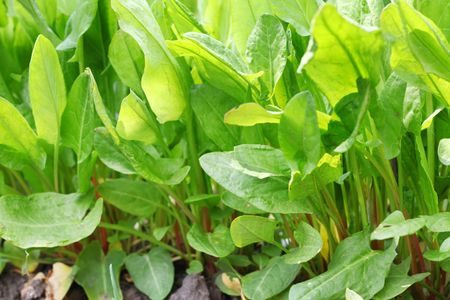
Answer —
193 288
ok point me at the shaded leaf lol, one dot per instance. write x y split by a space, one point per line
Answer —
246 230
47 219
138 198
152 273
217 243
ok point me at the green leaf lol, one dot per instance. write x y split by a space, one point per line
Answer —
246 230
419 51
17 136
310 244
47 90
47 219
217 243
250 114
259 174
243 17
219 66
439 222
152 273
352 295
267 51
162 81
398 281
328 170
127 60
355 266
240 204
79 22
444 151
299 13
356 54
135 122
210 105
78 120
138 198
299 132
195 267
110 154
94 271
395 225
270 281
388 115
365 12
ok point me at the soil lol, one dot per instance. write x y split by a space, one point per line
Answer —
15 286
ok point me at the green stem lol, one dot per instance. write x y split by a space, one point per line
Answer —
55 164
430 138
358 186
146 237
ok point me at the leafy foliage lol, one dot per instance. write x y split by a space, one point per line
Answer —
283 149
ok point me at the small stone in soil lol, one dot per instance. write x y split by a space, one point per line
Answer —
193 288
34 289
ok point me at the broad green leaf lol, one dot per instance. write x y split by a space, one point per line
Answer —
162 81
159 170
439 222
47 219
352 295
267 51
210 105
328 170
437 10
387 115
356 54
78 120
219 66
127 60
152 273
110 154
17 136
309 241
170 171
195 267
299 13
79 22
250 114
243 17
270 281
398 281
135 122
94 271
420 50
299 132
444 151
259 174
354 265
138 198
395 225
47 90
246 230
182 17
240 204
217 243
365 12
